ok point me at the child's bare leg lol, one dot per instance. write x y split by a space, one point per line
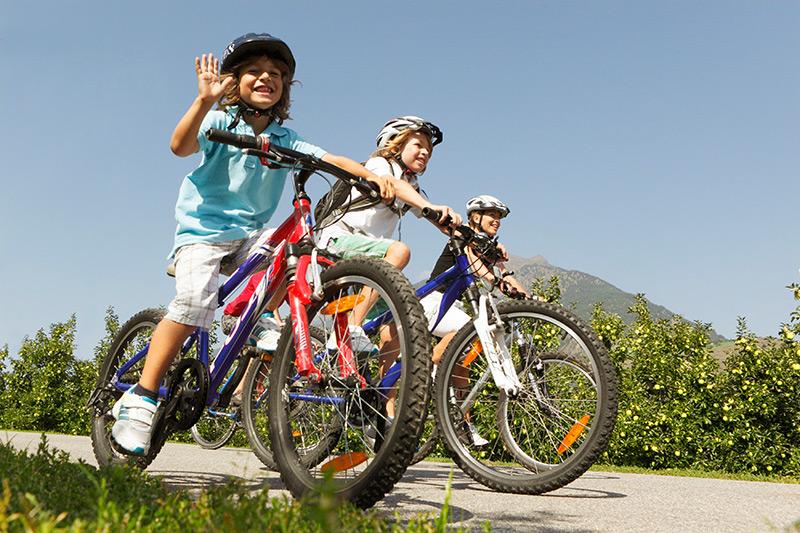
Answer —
390 346
441 346
167 340
460 372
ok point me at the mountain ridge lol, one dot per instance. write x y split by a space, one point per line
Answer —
580 291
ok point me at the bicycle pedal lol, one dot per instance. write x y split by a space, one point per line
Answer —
122 451
355 381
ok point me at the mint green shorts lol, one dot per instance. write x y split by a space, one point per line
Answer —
354 245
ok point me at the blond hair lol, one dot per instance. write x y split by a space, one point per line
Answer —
395 146
278 112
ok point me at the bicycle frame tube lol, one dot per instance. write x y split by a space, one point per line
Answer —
294 229
456 279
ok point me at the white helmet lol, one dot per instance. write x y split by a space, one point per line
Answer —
485 202
409 122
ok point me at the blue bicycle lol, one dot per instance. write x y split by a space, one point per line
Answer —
529 375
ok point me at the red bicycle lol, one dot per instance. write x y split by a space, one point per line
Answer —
325 376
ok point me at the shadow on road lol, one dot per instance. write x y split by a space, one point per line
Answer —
193 481
583 493
435 477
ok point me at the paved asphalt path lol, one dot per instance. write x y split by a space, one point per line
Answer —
598 501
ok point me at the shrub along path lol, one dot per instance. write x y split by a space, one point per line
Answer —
598 501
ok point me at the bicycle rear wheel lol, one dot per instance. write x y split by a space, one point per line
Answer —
363 453
132 338
555 427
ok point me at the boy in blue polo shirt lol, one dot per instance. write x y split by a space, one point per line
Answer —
223 204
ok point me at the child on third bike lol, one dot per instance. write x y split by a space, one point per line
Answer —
223 204
484 214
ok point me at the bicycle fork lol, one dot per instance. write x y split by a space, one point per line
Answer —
497 354
299 295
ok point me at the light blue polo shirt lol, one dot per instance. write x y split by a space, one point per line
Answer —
230 194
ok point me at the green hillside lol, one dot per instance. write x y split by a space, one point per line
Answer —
581 291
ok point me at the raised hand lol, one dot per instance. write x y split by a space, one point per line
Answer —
209 88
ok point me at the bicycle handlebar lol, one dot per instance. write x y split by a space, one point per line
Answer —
279 154
434 215
484 245
234 139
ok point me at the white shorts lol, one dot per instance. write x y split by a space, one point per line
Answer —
452 321
197 269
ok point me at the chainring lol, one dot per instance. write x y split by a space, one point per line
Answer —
187 390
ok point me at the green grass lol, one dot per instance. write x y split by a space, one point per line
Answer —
46 491
691 472
679 472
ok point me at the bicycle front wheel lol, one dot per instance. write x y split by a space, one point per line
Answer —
365 451
429 438
555 427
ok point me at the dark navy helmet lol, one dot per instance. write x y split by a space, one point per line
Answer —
256 43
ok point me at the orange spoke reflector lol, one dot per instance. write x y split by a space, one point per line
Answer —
474 352
297 433
342 305
266 357
573 434
344 462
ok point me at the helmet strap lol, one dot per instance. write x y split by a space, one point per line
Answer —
244 109
403 166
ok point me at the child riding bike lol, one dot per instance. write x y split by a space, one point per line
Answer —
223 204
484 214
404 148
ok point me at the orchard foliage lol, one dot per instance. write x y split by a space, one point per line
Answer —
680 409
45 387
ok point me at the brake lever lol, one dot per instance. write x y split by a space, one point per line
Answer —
268 159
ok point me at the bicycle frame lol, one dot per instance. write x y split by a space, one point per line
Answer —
457 280
285 278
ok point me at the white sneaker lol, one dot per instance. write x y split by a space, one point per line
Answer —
476 437
266 333
358 340
134 421
269 333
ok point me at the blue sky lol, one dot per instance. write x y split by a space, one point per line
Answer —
653 144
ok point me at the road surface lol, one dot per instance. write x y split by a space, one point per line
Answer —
598 501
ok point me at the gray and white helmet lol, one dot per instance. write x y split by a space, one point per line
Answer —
485 202
408 122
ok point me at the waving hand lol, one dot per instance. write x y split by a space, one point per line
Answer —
209 88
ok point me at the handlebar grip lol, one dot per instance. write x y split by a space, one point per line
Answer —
234 139
367 188
374 189
431 214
